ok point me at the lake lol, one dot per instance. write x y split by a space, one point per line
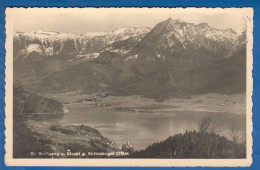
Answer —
142 129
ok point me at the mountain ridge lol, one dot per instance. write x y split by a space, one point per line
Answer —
55 43
166 60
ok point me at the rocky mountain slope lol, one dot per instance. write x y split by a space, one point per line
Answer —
226 76
174 43
173 58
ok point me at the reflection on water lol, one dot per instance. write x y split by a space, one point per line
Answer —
142 129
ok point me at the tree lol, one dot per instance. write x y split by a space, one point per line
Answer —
235 133
207 126
20 112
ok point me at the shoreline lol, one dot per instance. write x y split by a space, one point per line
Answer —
212 102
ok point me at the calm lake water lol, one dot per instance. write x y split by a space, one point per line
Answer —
142 129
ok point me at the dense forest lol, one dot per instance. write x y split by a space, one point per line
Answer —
204 143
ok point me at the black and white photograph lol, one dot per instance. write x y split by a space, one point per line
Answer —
129 84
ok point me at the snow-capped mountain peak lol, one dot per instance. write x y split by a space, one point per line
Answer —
45 32
59 42
175 40
166 38
94 34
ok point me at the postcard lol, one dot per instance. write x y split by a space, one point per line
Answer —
129 86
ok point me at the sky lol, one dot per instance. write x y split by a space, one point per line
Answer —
84 20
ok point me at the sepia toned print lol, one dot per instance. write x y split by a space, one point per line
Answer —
129 87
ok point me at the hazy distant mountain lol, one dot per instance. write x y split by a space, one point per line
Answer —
173 58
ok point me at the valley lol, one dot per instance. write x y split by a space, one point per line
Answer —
211 102
132 89
143 121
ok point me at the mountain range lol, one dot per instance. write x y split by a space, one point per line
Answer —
173 58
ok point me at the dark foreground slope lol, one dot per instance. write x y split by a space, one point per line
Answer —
194 145
25 107
35 139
